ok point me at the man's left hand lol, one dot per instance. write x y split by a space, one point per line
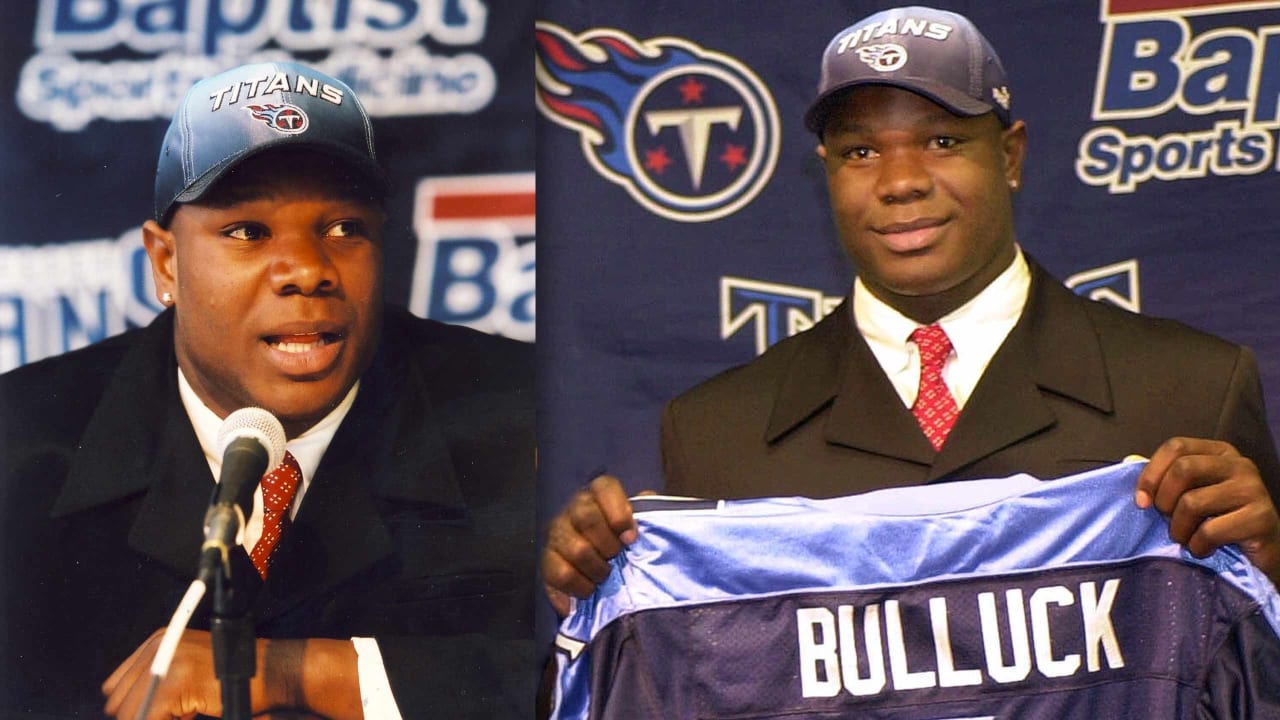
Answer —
1213 496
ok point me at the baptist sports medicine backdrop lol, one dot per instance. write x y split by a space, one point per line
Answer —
86 90
688 217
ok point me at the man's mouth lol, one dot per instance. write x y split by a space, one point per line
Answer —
302 352
911 236
301 342
911 226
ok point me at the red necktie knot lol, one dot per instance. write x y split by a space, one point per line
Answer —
934 345
278 488
935 409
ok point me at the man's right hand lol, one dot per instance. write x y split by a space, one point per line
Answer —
591 529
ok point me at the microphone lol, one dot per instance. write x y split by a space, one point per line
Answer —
251 441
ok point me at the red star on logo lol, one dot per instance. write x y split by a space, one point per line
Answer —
734 156
690 90
656 160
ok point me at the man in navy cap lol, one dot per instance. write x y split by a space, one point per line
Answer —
387 561
956 356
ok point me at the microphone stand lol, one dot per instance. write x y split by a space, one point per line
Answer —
231 628
234 648
248 438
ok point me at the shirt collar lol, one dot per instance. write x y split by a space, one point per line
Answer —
976 330
999 303
1001 300
308 448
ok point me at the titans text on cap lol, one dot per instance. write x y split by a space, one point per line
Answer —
907 26
279 82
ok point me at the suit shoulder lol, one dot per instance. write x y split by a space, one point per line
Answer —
47 404
1156 334
755 379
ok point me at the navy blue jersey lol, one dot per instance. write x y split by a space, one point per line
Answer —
1009 598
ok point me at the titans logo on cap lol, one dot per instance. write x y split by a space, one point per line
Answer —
283 117
691 134
883 58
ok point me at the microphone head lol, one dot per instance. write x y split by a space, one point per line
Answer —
258 424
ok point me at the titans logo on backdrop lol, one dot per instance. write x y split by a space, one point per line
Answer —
692 134
771 311
1210 69
1006 598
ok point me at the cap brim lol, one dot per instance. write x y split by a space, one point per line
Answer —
956 103
365 167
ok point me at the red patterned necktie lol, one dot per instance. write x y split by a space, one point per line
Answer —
278 489
934 408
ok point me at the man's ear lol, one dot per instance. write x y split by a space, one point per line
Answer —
162 250
1014 144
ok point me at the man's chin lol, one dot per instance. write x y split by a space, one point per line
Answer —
919 286
305 404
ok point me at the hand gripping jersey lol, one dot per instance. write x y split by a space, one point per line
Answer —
1010 598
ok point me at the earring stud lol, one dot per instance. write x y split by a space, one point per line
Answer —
166 298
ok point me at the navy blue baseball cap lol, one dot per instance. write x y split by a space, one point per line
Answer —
232 116
934 53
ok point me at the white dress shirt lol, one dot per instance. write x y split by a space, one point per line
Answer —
976 329
308 449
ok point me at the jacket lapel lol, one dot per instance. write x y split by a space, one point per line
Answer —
893 431
1053 348
389 449
140 440
838 369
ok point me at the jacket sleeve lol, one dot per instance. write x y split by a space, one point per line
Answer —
1243 421
674 471
464 676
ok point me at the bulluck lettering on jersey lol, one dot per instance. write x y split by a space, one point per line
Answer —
1055 631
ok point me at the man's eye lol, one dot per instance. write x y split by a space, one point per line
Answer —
945 142
346 228
246 232
860 152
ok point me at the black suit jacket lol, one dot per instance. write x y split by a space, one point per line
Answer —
1077 384
417 528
